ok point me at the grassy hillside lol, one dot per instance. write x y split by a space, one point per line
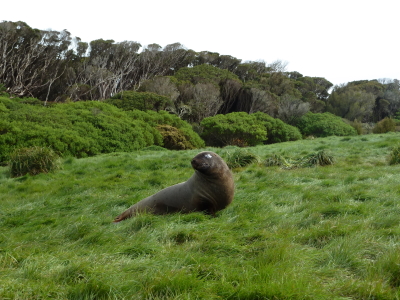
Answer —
311 233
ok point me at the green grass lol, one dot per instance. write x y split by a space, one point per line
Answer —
329 232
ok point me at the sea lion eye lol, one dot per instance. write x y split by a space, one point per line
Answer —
208 155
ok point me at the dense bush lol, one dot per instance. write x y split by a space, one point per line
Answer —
277 130
394 157
173 138
358 126
237 128
130 100
78 129
33 161
155 119
3 90
385 125
323 125
84 128
242 129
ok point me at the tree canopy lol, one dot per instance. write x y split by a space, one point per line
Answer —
54 66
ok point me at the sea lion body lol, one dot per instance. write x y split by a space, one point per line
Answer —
210 189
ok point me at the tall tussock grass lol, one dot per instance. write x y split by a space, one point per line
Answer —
320 158
33 161
394 156
241 158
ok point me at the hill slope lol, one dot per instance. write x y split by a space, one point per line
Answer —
311 233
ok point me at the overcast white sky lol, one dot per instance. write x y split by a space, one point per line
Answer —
341 40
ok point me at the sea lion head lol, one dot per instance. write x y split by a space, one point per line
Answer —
208 162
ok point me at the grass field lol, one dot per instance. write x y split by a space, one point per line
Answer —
328 232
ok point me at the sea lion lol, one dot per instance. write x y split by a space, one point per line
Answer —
210 189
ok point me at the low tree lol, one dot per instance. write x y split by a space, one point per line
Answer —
161 85
205 101
351 104
291 110
262 101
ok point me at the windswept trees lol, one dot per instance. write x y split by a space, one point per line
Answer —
31 60
205 90
53 66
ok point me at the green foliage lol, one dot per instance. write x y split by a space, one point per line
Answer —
323 125
242 129
394 157
204 74
154 148
33 161
351 104
3 90
174 138
154 119
241 158
277 130
385 125
83 129
357 125
238 128
79 129
130 100
9 104
313 88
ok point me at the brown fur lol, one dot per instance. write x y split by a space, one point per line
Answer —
209 190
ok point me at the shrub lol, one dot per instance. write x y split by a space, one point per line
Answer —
154 119
241 158
83 129
385 125
130 100
154 148
358 126
237 128
173 138
241 129
3 90
323 125
277 130
79 129
33 160
10 104
394 157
